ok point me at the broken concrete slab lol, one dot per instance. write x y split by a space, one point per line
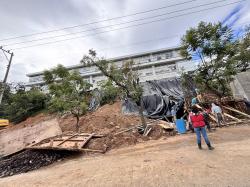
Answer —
15 139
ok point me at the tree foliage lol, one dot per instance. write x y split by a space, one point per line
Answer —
67 90
22 104
214 46
125 77
109 92
243 50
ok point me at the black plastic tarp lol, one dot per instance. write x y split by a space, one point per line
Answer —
160 98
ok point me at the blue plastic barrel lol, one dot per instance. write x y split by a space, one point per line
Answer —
181 126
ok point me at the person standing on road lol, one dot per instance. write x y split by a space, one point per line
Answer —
206 118
199 127
190 125
218 113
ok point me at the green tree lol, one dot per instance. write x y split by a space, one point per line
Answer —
23 104
243 51
214 46
109 92
125 77
67 90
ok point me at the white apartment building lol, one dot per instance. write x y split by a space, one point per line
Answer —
151 65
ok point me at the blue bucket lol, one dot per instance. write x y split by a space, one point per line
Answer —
181 126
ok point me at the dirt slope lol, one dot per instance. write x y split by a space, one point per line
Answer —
104 120
172 162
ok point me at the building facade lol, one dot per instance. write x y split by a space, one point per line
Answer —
241 85
151 65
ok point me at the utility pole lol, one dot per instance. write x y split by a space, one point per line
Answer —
7 72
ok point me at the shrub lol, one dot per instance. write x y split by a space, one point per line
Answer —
109 92
24 104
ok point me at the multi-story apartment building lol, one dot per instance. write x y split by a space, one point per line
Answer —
151 65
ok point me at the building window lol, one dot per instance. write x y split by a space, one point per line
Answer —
160 72
149 73
169 55
158 57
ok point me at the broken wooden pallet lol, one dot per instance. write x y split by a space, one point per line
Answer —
69 142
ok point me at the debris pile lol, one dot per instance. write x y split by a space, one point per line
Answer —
108 120
29 160
115 130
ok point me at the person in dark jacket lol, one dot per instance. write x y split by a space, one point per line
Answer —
247 103
206 119
199 127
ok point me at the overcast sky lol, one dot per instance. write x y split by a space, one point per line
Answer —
22 17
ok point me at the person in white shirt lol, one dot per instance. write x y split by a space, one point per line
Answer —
216 110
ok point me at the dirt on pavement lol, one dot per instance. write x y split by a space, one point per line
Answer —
174 161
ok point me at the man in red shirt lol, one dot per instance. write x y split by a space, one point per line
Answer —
199 127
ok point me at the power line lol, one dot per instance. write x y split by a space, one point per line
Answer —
145 41
135 25
130 44
140 42
99 21
107 26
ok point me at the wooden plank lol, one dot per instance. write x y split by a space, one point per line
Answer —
232 117
86 134
148 131
67 139
93 150
164 126
238 122
212 117
53 148
237 111
126 130
71 140
66 149
86 141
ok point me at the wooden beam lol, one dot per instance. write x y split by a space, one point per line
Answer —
86 140
93 150
212 117
86 134
232 117
148 131
67 139
67 149
126 130
238 122
237 111
71 140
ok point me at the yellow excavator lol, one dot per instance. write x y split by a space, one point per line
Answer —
4 123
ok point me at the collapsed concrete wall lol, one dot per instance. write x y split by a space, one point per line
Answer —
15 139
241 85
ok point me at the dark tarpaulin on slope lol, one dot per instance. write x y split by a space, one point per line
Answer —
160 98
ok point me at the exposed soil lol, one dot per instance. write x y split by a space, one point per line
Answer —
174 161
104 120
107 120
